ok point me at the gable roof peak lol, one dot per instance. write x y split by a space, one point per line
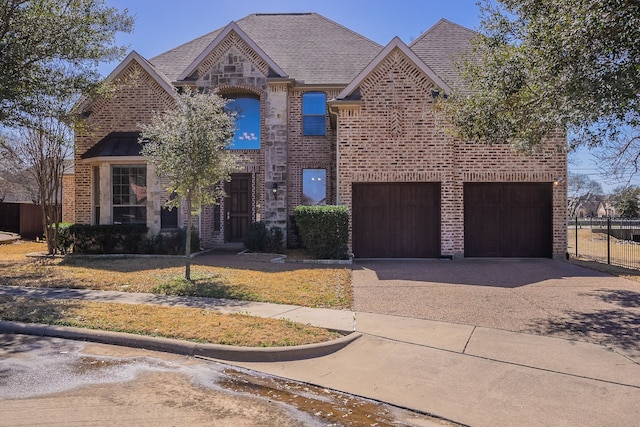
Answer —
133 56
444 47
440 24
395 43
231 27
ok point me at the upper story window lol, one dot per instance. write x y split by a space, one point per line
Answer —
247 136
314 107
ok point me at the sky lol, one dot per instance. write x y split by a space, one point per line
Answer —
162 25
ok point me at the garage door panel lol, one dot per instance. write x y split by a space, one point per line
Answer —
508 219
396 220
483 224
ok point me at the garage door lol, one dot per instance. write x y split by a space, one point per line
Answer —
396 220
508 219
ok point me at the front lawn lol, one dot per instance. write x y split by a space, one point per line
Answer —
251 281
191 324
241 279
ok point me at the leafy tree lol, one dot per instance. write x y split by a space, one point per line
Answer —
187 147
625 201
580 188
540 66
51 49
36 152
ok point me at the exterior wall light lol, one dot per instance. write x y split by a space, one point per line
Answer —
274 190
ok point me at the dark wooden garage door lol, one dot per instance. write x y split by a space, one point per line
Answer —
508 219
396 220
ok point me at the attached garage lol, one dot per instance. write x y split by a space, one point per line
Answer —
508 219
396 220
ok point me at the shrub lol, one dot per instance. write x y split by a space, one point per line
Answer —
108 239
65 238
275 242
259 238
324 230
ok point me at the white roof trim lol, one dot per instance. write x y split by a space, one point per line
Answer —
395 43
228 29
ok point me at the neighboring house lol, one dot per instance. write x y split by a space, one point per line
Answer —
328 116
595 206
19 211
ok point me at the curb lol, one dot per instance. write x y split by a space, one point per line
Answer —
213 351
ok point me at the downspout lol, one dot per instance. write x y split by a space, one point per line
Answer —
334 111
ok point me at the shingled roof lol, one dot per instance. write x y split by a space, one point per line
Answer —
442 47
307 46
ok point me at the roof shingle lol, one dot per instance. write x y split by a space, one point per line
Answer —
442 46
307 46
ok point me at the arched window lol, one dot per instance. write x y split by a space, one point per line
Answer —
314 110
247 136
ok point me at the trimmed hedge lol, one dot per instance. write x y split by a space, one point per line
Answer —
324 230
109 239
124 239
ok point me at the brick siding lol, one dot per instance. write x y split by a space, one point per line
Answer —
394 136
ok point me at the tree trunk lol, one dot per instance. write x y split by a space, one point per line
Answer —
187 247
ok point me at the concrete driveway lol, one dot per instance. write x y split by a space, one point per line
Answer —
536 296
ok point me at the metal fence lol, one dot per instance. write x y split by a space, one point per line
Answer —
611 241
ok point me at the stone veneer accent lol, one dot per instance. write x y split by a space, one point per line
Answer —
393 136
235 69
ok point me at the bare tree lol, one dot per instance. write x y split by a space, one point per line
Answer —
580 188
39 150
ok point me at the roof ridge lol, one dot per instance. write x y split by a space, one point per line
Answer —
437 24
210 33
281 13
348 29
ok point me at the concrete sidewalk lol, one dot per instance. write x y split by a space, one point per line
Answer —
7 237
473 375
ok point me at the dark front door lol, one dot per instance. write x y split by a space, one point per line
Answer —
238 207
508 219
396 220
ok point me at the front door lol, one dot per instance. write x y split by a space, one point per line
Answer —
238 207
